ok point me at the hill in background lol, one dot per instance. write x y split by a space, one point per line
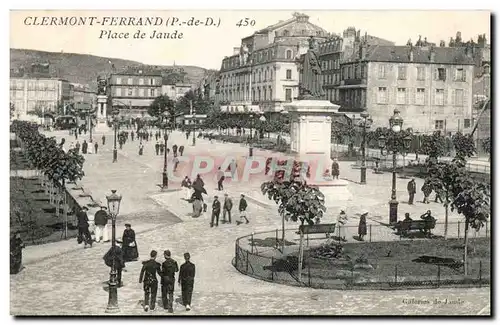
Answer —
84 68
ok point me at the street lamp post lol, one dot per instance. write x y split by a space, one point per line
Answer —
364 115
396 123
115 121
113 208
165 134
250 149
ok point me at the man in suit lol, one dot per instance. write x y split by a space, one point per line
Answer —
186 280
242 208
228 206
100 220
148 275
215 212
83 227
412 189
168 268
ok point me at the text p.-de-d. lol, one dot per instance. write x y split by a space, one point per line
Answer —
110 34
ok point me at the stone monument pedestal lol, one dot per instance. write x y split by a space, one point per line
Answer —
310 141
102 126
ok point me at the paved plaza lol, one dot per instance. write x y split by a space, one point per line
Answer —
63 278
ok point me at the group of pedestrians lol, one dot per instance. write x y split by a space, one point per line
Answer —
426 189
227 208
166 271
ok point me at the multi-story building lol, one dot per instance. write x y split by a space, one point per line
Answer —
35 96
83 96
133 90
262 74
431 86
174 91
331 53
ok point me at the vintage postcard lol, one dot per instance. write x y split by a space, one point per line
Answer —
285 162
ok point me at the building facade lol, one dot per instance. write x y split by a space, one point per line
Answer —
83 96
133 90
175 91
35 96
262 74
432 87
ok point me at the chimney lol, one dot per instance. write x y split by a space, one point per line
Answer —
410 54
432 55
236 50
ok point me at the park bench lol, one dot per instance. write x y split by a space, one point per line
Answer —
424 226
326 228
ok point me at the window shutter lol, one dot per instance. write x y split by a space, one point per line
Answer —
453 97
436 75
445 95
375 95
465 75
455 74
467 104
393 98
408 95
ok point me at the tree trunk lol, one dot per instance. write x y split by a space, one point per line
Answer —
301 256
466 240
65 210
446 211
283 234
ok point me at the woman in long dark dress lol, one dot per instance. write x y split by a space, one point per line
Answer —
16 253
129 245
362 226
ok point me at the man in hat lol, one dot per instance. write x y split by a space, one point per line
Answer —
362 226
168 268
186 280
412 189
228 206
157 147
242 208
83 227
220 179
100 220
103 139
96 146
215 212
335 169
341 221
148 275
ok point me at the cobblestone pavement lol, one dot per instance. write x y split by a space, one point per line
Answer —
72 282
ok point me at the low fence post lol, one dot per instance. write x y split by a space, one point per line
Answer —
439 275
276 242
480 271
458 225
272 269
395 273
236 254
309 273
252 243
370 233
247 264
486 226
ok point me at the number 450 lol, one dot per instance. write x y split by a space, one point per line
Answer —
245 22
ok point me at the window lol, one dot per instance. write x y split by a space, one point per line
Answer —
288 54
141 92
151 81
460 75
141 81
439 125
270 93
401 98
381 71
118 92
288 74
467 123
118 80
441 74
130 81
288 95
439 98
130 92
459 97
265 93
402 73
382 95
152 92
420 96
265 75
420 73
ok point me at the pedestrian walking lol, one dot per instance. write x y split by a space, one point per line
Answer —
215 212
438 195
168 269
362 226
16 253
85 147
181 150
83 227
157 148
335 169
103 139
174 149
176 162
100 221
156 136
341 221
186 185
242 208
96 146
197 207
130 251
148 276
412 189
186 280
132 135
77 147
115 256
71 146
427 190
141 149
227 207
220 179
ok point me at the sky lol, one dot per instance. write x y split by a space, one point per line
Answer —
206 46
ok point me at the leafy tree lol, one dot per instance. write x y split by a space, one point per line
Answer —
296 201
486 145
12 110
160 105
200 105
464 145
434 146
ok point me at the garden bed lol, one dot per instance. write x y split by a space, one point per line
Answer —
396 259
18 161
30 204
